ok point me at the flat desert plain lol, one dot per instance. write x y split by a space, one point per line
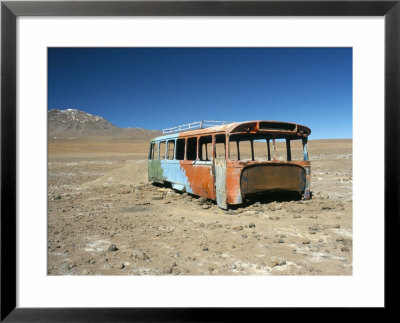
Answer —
104 218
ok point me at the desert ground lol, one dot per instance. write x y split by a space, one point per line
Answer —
104 218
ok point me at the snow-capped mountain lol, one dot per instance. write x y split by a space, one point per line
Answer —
73 123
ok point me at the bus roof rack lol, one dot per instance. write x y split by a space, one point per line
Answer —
195 125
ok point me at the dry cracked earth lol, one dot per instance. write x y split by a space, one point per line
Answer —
105 219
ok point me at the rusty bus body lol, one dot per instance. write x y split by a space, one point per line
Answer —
210 162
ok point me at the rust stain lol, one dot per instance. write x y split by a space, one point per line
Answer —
234 195
259 178
200 178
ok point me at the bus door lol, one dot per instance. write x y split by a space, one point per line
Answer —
219 161
153 163
203 168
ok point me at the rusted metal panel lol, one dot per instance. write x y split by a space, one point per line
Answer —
233 172
200 178
220 182
259 178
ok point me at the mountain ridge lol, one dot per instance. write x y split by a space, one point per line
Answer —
74 123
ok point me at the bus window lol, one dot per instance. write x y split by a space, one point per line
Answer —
171 146
260 150
155 151
219 146
233 150
205 147
297 149
162 150
245 150
279 152
180 149
191 149
151 151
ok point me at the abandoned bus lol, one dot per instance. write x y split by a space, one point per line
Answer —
225 162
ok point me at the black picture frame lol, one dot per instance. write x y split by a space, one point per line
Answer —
10 10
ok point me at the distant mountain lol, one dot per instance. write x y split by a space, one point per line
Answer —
72 123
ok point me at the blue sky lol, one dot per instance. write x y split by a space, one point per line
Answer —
156 88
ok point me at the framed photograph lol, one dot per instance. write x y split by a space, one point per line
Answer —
98 213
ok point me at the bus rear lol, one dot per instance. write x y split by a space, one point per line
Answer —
267 156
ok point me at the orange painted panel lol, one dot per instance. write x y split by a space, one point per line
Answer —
200 178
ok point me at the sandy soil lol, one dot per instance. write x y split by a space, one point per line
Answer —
105 219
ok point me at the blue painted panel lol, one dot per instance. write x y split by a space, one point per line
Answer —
175 174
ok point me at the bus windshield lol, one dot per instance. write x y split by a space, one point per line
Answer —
263 147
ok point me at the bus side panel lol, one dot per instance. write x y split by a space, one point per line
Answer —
173 173
154 172
200 179
234 195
